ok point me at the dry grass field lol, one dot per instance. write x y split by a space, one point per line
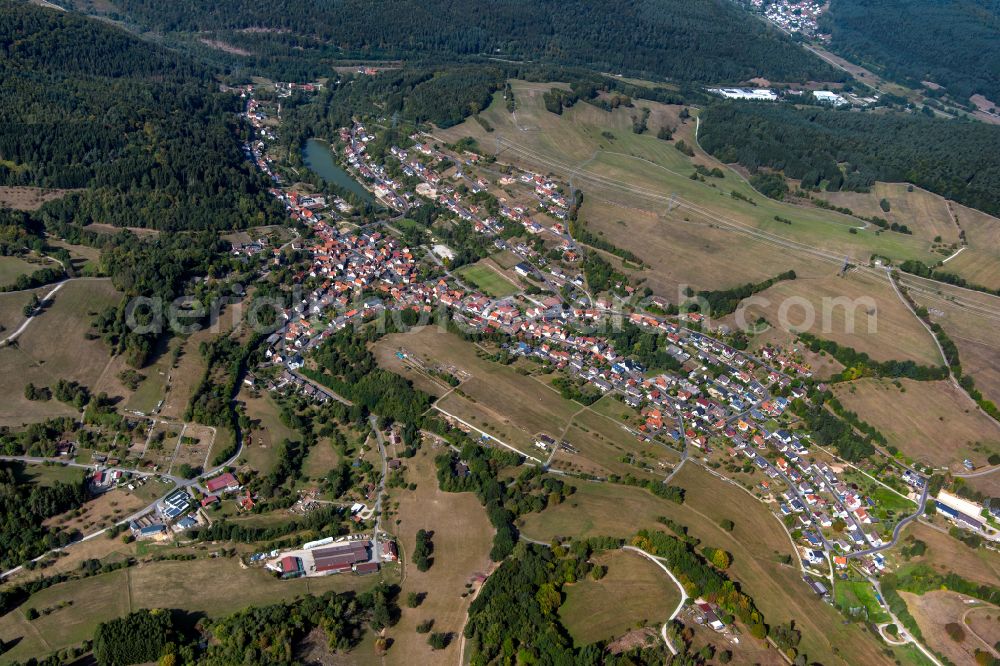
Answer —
984 622
926 214
971 321
859 310
633 592
932 422
266 432
515 408
210 586
979 263
28 198
462 540
756 543
103 511
54 347
946 554
938 608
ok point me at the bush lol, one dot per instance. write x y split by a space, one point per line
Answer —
439 641
955 631
727 524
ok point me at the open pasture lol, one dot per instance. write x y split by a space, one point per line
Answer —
634 591
210 586
924 213
13 267
932 422
462 537
53 347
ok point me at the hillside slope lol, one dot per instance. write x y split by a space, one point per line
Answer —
953 43
143 130
702 40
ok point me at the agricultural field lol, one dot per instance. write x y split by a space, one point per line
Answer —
606 447
934 423
938 611
54 347
859 310
212 586
643 183
491 396
633 592
488 277
462 537
757 543
515 408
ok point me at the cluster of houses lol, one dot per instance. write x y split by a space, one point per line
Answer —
179 511
791 16
720 399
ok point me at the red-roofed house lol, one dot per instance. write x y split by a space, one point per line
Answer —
225 483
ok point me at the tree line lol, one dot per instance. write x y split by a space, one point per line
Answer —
841 150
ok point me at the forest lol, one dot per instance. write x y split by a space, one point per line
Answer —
959 160
702 40
954 44
144 130
23 507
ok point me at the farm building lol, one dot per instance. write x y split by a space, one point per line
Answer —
224 483
291 567
337 559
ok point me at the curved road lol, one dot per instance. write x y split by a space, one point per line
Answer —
684 596
899 527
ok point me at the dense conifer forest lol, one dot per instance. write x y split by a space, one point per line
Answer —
838 150
143 130
703 40
955 44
